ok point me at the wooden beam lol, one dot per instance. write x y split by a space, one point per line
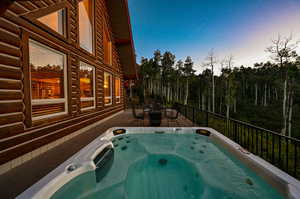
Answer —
5 4
123 42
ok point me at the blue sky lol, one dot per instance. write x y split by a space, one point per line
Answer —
242 28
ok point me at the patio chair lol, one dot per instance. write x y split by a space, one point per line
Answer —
169 114
138 116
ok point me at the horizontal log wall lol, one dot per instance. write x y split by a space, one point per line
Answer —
18 133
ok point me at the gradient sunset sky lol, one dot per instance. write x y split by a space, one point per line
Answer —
243 28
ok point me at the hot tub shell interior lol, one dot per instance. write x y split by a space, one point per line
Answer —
82 162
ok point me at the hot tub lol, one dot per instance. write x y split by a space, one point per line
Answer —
163 163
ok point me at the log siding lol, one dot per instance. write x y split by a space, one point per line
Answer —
19 134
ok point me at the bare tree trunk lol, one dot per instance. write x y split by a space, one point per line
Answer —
177 94
187 92
227 110
203 102
199 100
234 105
290 117
269 94
209 105
284 118
213 93
276 94
220 108
256 93
265 95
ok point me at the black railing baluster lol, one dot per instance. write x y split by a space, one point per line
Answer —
273 148
279 142
248 139
261 143
252 137
287 153
295 159
267 146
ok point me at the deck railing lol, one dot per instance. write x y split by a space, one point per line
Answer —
281 151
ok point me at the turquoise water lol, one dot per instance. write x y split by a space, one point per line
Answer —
168 166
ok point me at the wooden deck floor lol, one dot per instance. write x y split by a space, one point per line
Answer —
20 178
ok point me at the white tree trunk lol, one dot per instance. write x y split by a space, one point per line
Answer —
276 94
284 118
203 102
187 92
256 93
209 105
227 110
220 111
213 93
290 117
199 100
177 90
265 96
234 105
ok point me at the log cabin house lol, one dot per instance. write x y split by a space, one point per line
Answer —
63 64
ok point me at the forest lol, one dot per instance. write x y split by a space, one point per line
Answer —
266 94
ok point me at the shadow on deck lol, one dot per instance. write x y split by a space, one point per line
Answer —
20 178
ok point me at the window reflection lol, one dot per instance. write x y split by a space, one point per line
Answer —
86 24
47 68
107 89
86 74
55 21
87 85
47 73
118 90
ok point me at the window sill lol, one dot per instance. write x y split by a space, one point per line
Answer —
88 109
91 54
50 119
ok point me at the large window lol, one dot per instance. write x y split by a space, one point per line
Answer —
48 81
107 89
87 86
55 21
107 47
86 25
118 89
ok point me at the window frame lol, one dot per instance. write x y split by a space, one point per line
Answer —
33 16
84 99
93 29
64 22
111 90
49 101
118 97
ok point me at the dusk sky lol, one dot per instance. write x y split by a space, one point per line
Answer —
242 28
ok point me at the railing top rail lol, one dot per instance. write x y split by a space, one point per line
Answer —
247 124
